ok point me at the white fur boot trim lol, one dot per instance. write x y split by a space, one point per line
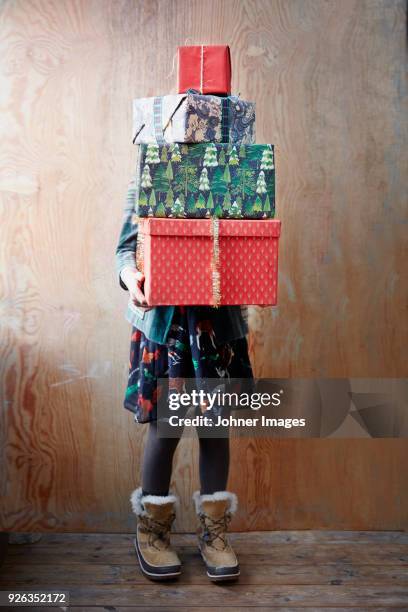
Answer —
137 500
217 496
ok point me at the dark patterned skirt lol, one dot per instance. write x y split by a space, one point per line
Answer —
191 352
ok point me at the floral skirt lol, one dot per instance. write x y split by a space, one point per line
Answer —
191 352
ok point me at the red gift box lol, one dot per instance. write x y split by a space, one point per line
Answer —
209 261
205 68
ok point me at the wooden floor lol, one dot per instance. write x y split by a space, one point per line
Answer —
287 570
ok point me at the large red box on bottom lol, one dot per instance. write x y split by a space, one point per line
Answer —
209 261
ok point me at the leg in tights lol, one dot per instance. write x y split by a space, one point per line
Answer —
214 464
157 462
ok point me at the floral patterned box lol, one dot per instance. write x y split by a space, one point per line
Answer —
209 261
206 180
192 117
206 68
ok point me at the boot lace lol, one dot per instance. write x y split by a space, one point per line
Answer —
158 531
215 529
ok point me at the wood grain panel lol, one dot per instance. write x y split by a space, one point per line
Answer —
310 570
329 84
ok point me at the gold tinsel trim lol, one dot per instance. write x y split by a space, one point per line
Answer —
215 259
215 262
139 249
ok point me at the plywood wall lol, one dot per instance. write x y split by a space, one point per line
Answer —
329 83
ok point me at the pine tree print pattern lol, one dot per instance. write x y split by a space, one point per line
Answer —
207 180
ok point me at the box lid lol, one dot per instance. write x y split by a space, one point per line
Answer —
157 226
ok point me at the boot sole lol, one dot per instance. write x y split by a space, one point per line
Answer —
148 572
223 577
219 577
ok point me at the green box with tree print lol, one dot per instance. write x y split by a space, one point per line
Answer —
206 180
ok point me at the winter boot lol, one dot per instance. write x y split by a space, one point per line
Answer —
155 515
215 512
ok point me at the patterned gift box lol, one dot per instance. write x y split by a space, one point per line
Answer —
206 68
209 261
206 180
192 117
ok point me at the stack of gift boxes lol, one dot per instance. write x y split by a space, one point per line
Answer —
205 191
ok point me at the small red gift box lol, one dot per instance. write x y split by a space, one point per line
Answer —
209 261
205 68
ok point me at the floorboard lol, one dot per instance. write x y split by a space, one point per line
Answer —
308 570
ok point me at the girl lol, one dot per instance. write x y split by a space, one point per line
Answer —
178 343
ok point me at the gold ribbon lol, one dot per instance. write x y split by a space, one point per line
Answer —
201 68
215 259
139 247
215 262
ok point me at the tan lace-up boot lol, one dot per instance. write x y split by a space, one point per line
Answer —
155 515
215 512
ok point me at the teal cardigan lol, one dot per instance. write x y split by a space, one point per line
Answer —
230 322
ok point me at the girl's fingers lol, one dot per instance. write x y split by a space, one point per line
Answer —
139 296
